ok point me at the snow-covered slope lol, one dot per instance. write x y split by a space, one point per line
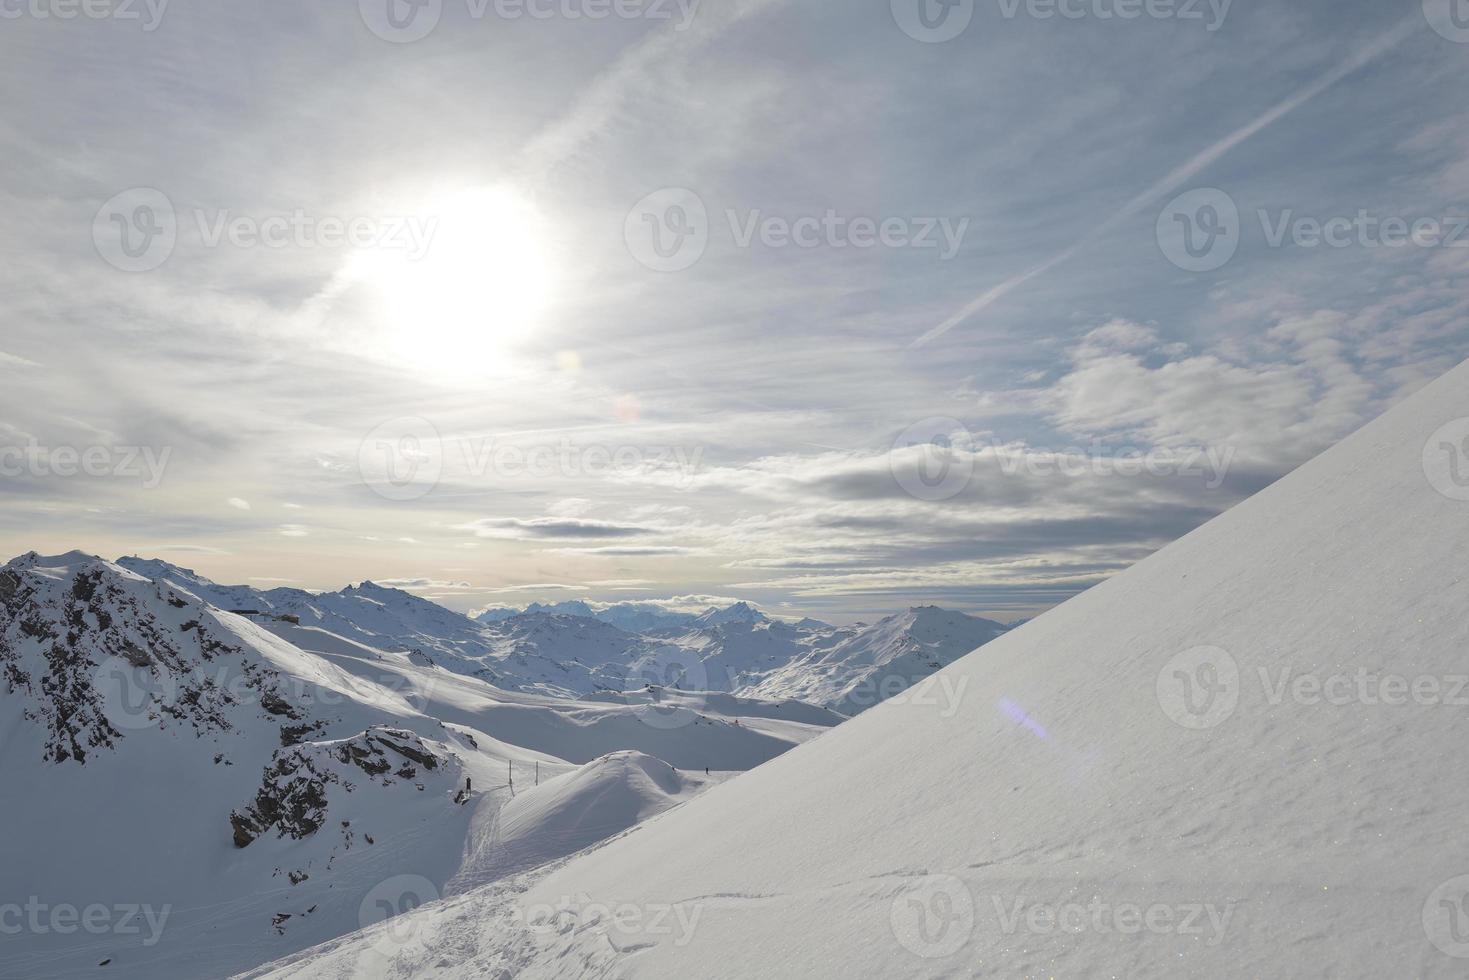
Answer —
574 810
262 786
1238 758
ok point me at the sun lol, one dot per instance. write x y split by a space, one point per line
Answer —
469 277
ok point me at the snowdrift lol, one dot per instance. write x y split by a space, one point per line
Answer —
569 812
1235 759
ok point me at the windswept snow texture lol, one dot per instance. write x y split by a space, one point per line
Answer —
1238 758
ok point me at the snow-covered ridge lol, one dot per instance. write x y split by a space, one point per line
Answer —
573 649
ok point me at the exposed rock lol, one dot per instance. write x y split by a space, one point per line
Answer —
292 799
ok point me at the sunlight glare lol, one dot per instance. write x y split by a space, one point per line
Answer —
482 282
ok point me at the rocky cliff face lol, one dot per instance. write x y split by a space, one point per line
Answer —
293 797
98 652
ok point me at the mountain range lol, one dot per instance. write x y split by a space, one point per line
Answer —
250 767
573 649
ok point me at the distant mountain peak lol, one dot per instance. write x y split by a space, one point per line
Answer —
739 612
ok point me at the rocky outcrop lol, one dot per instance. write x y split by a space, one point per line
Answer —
96 651
293 797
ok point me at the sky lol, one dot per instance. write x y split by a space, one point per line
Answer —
837 307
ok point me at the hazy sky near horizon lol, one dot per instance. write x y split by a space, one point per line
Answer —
836 307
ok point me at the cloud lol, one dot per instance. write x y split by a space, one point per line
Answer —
238 503
650 551
1180 175
294 530
410 584
12 360
570 507
550 527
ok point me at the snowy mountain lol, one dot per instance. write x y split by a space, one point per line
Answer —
880 661
1234 759
740 612
570 650
634 617
246 786
847 670
387 618
561 654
